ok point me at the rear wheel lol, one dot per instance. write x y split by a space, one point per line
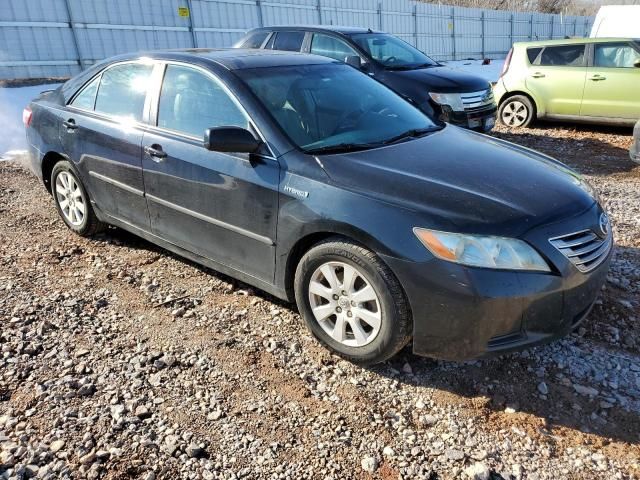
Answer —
72 201
516 111
352 302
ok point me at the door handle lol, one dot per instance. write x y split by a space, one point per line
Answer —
597 78
538 75
155 152
70 124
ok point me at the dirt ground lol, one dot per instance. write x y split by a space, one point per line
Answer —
285 407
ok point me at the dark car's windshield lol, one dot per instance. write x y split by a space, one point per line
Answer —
392 52
334 106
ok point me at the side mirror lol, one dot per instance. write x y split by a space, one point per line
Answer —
231 139
637 64
354 61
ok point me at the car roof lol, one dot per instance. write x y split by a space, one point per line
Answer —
571 41
233 58
319 28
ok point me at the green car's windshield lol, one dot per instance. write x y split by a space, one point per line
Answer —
392 52
331 107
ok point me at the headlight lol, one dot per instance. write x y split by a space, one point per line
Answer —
482 251
454 100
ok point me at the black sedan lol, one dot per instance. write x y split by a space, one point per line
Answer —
308 179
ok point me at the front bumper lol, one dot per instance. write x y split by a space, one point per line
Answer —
461 313
480 120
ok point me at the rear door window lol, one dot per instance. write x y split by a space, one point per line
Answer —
615 55
332 47
562 56
289 41
123 89
255 40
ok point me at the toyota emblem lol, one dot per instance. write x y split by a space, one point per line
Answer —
604 224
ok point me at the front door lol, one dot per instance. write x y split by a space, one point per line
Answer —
218 205
613 81
101 133
556 78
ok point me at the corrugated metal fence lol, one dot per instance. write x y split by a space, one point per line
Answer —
42 38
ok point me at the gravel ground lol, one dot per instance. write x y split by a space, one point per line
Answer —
120 360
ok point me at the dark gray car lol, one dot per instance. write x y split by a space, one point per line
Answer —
441 92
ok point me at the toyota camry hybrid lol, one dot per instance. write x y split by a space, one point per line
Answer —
302 176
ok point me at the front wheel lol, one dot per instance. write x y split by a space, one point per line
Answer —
72 201
352 302
516 111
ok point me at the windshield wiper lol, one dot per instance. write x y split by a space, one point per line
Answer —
342 147
409 67
414 133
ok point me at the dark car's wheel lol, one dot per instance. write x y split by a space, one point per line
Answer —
352 302
72 200
517 111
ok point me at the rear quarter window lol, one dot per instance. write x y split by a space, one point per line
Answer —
562 56
289 41
255 40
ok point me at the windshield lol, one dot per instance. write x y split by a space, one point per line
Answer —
334 106
392 52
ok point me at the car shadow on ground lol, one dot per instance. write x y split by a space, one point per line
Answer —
513 381
591 149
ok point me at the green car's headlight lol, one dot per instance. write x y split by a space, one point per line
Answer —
454 100
482 251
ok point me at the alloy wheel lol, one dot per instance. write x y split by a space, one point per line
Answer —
515 114
345 304
69 197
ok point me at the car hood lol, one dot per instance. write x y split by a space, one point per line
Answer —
441 79
467 181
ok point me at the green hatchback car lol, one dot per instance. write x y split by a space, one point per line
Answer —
594 80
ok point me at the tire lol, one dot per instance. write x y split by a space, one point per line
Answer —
517 111
374 330
72 200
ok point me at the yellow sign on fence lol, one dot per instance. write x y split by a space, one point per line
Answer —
183 11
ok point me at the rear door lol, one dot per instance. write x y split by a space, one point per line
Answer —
613 82
556 78
102 134
222 206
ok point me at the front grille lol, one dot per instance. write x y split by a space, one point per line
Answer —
584 249
478 100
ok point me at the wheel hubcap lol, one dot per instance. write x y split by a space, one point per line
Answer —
69 198
515 113
345 304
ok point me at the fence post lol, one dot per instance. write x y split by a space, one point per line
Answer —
511 29
553 18
74 35
319 8
194 39
483 33
380 15
415 25
260 20
531 27
453 30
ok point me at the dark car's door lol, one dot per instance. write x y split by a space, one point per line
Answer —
218 205
102 133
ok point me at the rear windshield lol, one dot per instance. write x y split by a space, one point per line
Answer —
332 104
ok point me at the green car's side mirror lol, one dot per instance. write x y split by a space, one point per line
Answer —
637 64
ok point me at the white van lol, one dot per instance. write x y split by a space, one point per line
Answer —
619 21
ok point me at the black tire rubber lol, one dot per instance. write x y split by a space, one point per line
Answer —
396 327
531 108
90 225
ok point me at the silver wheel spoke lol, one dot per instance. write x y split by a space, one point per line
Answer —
338 333
323 311
80 207
366 294
318 289
63 204
349 278
358 331
370 318
330 276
